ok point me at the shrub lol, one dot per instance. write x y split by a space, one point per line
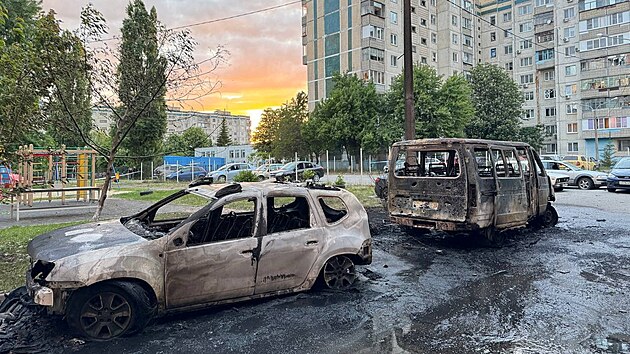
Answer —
340 181
308 174
246 176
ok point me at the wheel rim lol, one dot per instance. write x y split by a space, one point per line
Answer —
550 217
316 178
222 179
105 315
339 273
583 184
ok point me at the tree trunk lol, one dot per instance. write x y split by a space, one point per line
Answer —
106 183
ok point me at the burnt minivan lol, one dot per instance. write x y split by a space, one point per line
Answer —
468 185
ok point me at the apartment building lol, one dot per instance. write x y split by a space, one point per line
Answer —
178 121
570 57
366 38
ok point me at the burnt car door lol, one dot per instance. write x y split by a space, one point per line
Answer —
215 261
512 203
486 187
291 245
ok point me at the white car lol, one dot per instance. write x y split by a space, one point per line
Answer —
558 180
228 172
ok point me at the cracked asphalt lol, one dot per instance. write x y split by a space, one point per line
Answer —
559 290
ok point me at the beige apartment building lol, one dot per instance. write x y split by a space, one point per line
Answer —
570 57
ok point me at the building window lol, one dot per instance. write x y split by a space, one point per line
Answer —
525 10
508 49
544 55
455 38
467 58
550 93
493 52
423 41
550 130
372 32
393 17
507 17
454 57
493 20
528 114
509 66
377 77
569 32
527 79
434 57
373 54
454 20
549 75
570 89
466 23
569 51
550 112
423 22
543 37
413 29
569 12
544 2
493 36
572 147
525 27
423 60
393 60
527 61
572 128
570 70
572 108
526 44
393 39
433 21
550 148
468 41
528 95
433 38
507 33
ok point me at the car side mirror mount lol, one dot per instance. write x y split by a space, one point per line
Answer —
178 241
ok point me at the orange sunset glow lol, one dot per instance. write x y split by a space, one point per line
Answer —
264 66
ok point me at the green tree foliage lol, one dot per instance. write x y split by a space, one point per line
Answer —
498 104
264 137
141 77
246 176
224 135
348 118
442 107
185 144
607 155
532 135
292 116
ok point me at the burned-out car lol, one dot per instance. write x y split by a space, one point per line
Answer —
244 241
468 185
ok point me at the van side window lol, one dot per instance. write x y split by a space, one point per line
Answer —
499 163
514 167
522 158
432 163
484 163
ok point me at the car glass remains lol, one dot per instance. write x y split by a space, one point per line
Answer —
233 220
287 213
334 208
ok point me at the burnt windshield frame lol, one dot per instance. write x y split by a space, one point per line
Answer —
452 163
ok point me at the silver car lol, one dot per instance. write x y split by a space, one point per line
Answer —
583 179
228 172
249 241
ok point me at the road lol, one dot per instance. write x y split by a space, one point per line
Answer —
558 290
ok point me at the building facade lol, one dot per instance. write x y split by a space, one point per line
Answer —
569 57
178 121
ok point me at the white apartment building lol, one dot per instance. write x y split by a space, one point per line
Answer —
571 58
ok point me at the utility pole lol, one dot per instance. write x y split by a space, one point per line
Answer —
410 121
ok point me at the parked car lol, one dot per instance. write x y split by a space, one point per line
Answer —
164 170
227 172
581 161
583 179
551 157
264 171
250 240
287 172
187 173
8 179
619 177
558 180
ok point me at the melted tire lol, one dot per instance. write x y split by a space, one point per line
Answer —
141 311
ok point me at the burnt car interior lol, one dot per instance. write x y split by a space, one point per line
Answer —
227 222
334 209
433 163
287 213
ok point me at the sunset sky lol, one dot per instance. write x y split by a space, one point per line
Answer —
264 68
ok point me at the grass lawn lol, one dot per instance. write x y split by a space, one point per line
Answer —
13 257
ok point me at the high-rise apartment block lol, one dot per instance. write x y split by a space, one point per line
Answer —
570 57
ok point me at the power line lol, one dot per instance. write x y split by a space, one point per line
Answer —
217 19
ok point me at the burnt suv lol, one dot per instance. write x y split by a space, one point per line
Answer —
245 241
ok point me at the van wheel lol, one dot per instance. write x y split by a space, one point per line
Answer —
550 217
339 273
109 310
585 183
611 190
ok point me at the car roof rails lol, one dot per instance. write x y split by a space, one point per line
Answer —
314 185
202 181
229 189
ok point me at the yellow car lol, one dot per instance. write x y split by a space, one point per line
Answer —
581 161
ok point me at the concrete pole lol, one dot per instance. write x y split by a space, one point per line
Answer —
410 126
335 163
296 166
327 164
177 171
141 169
361 163
152 170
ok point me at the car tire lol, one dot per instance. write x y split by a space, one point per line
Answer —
558 189
611 190
129 310
222 179
339 273
550 217
316 178
585 183
261 178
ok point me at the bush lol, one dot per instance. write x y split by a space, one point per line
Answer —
246 176
308 174
340 181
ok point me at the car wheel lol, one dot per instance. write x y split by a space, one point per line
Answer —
339 273
558 189
261 178
221 179
585 183
550 217
611 190
316 178
109 310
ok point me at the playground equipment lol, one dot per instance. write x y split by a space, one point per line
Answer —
54 172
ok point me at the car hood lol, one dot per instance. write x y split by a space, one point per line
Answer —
74 240
621 172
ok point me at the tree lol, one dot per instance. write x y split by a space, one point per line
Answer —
292 115
498 104
607 155
141 62
442 107
185 144
224 135
348 117
264 136
533 136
